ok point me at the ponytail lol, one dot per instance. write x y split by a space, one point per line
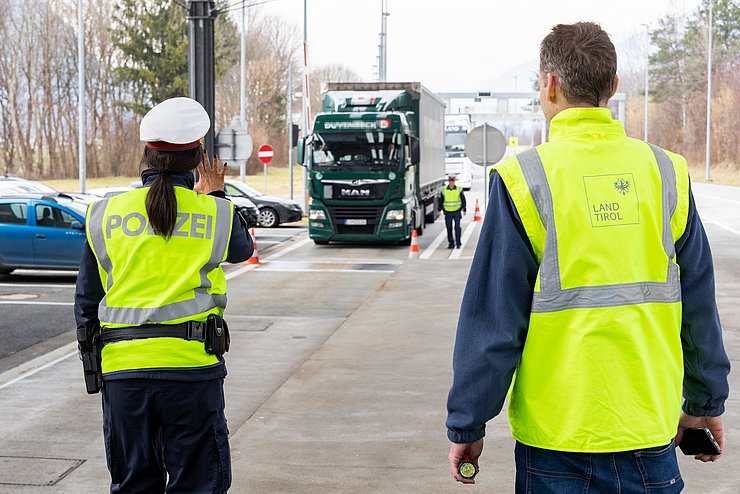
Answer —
161 202
161 205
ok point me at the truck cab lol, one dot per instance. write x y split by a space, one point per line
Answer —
364 158
457 163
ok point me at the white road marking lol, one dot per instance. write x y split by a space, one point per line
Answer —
240 271
38 364
464 240
288 249
433 246
715 198
35 285
323 270
721 225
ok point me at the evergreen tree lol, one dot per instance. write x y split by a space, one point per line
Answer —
153 41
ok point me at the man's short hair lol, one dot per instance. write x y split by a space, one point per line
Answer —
584 59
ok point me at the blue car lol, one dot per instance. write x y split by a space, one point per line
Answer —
40 231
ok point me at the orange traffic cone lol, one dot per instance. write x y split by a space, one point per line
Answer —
476 216
255 259
414 248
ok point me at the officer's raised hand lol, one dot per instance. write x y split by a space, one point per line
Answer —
210 176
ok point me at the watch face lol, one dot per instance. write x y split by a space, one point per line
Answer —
467 469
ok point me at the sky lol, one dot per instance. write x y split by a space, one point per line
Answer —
462 45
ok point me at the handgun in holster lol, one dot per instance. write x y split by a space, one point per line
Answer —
88 348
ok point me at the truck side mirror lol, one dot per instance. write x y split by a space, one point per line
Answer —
300 149
414 150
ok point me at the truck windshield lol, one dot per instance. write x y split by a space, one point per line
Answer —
357 150
455 144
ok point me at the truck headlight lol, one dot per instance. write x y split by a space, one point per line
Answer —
394 214
316 214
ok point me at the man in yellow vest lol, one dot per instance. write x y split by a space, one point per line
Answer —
574 303
454 206
152 291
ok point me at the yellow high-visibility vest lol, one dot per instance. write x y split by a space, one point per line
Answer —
148 280
602 367
452 202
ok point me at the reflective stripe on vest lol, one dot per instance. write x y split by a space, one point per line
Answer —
453 202
551 297
201 302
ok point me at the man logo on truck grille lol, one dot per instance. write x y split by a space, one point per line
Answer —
354 192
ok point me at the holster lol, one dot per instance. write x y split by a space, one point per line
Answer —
217 336
88 348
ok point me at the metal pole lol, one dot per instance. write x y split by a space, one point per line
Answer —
243 87
382 65
485 165
709 92
201 66
265 167
290 128
306 106
647 69
82 144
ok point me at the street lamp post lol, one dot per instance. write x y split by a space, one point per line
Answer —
709 91
647 70
82 144
306 100
290 126
243 88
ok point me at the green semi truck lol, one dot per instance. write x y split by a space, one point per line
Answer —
376 162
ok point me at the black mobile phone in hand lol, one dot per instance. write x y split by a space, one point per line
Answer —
699 442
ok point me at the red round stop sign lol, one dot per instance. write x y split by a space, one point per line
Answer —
265 153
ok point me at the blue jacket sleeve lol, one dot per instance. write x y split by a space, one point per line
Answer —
706 365
89 290
494 317
241 246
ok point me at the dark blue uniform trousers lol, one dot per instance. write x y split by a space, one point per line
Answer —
455 216
166 436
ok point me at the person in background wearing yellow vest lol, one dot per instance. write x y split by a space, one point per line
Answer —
151 277
453 202
574 299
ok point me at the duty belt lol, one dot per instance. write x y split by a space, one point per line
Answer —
190 330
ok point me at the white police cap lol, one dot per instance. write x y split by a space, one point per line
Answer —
175 124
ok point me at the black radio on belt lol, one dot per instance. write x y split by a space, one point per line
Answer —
217 335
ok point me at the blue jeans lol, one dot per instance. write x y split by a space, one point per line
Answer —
644 471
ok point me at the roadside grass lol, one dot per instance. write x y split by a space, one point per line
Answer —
722 174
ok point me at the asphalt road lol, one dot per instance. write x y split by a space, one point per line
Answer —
338 372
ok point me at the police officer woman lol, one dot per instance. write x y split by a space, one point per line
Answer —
150 277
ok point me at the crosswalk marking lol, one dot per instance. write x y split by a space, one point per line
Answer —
464 240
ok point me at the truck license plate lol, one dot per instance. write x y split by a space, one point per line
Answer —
355 222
